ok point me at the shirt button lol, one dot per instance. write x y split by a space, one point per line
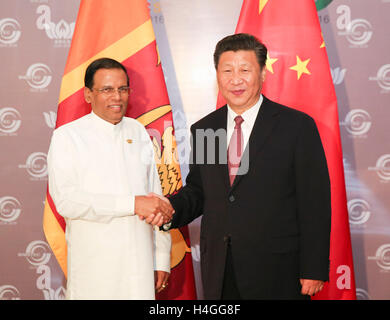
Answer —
231 198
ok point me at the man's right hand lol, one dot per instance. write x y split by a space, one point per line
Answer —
153 209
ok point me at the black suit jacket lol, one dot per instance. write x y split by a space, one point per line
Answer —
276 216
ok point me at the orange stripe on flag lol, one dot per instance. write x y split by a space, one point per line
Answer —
55 236
120 50
100 23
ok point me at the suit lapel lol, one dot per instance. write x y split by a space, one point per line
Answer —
265 121
222 166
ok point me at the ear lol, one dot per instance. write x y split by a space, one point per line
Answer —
87 94
263 73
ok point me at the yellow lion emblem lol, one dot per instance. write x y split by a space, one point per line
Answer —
168 167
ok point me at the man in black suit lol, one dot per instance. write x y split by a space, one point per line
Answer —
264 196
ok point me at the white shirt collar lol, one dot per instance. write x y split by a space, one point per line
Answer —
105 125
249 115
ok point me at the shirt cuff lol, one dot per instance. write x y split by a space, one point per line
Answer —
125 204
163 262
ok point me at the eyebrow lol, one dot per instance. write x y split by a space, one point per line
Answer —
227 64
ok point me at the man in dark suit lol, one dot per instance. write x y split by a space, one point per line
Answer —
263 188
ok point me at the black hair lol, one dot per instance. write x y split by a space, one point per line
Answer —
241 41
102 63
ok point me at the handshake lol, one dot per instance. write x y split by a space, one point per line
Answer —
154 209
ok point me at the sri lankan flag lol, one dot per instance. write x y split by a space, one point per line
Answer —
298 75
122 30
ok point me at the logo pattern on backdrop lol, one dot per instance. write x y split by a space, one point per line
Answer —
10 121
38 76
38 255
10 210
10 32
36 166
358 32
382 257
383 78
9 292
382 168
61 32
357 122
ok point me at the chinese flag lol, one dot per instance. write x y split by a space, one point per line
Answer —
298 76
123 30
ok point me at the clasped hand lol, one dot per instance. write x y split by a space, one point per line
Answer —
154 209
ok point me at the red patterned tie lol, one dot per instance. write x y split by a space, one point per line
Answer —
235 149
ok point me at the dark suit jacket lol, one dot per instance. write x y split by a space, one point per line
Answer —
276 216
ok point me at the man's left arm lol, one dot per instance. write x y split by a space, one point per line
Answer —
314 207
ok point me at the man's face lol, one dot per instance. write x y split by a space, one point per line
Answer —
108 106
240 79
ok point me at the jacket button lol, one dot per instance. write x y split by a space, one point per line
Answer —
231 198
227 239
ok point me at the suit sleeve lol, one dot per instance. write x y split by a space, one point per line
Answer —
188 202
314 202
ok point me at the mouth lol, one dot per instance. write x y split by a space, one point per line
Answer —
115 107
238 92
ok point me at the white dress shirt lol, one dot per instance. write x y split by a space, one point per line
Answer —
249 117
95 171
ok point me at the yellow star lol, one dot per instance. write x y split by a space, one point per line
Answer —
269 63
301 67
262 4
323 41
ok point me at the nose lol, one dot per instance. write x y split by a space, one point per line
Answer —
236 78
116 95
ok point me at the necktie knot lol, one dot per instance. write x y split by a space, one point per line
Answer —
238 120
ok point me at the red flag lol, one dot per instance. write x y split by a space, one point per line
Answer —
123 31
298 76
